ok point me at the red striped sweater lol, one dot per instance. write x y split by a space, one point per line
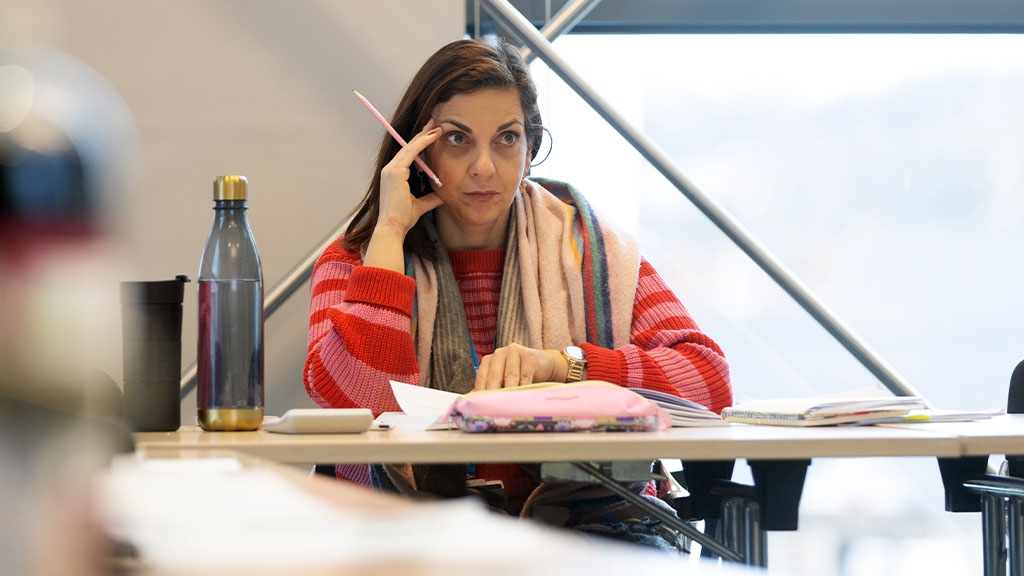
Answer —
359 336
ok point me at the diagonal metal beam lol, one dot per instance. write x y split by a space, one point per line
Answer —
563 21
510 18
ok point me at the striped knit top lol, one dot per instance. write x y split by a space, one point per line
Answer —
478 274
360 338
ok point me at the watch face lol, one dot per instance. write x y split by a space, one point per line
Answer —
574 352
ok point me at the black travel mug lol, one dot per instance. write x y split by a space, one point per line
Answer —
151 344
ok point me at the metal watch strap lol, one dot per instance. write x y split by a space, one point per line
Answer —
576 365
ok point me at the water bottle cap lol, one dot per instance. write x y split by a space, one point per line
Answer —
231 187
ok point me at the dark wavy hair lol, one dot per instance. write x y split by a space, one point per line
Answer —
460 67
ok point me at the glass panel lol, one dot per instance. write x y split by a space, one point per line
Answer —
884 170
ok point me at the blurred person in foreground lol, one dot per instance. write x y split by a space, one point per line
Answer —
60 417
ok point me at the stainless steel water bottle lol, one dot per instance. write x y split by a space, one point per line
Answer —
230 359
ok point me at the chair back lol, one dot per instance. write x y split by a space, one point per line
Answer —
1015 405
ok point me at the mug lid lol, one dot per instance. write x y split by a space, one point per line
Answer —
155 292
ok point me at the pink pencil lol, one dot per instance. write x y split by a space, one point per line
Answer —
398 137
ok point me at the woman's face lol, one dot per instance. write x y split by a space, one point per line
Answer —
481 157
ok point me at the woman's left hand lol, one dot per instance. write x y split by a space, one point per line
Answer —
516 365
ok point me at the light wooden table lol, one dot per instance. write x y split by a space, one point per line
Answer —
451 446
778 455
999 435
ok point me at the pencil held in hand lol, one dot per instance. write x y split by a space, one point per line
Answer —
398 137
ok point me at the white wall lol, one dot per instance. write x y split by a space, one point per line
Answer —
261 88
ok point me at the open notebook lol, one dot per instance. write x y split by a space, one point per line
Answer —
822 410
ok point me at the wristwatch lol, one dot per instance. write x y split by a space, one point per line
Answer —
577 363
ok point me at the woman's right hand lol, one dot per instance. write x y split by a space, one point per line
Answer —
399 209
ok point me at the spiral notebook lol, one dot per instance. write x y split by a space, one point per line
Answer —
821 411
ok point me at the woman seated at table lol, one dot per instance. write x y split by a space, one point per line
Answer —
491 280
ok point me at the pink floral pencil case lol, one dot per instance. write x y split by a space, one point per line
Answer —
589 405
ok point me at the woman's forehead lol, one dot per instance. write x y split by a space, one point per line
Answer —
482 108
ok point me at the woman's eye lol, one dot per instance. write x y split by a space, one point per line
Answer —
456 138
509 138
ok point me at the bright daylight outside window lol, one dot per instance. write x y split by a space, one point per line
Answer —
885 171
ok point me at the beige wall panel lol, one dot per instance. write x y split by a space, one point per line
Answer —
255 87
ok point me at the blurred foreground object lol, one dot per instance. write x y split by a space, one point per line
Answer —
66 153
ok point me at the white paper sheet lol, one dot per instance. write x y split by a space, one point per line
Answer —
253 517
193 515
403 421
420 401
422 409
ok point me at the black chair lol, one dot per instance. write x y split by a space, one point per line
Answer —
1015 405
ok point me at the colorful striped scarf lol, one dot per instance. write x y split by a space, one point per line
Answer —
568 279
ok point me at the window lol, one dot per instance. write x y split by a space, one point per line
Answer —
886 172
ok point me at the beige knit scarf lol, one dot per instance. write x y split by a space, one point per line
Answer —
568 279
542 303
